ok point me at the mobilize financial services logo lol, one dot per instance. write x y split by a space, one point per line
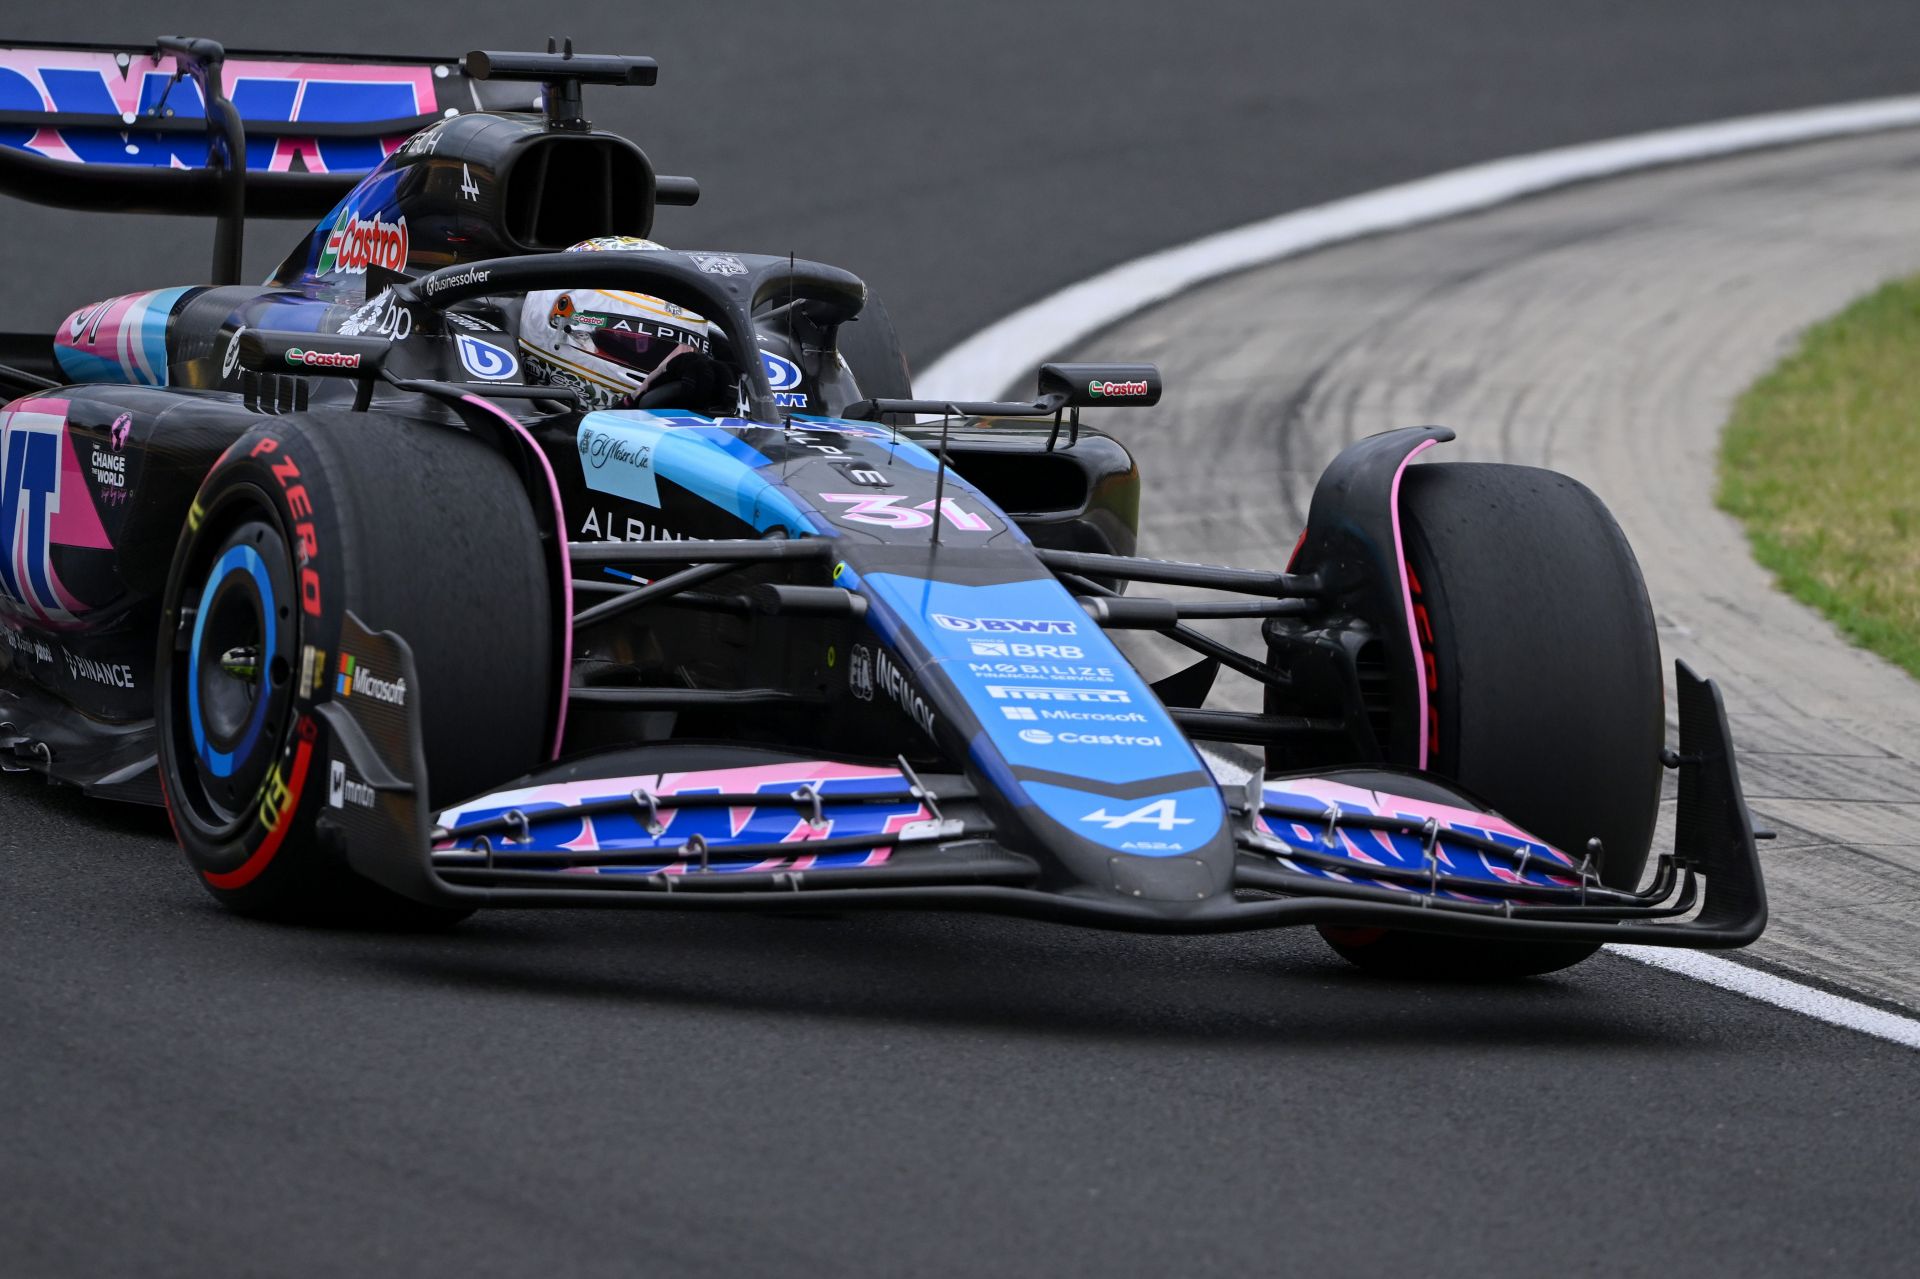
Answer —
1006 625
356 680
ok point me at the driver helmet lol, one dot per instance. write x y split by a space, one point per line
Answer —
606 344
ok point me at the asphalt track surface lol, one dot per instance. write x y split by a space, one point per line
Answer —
181 1092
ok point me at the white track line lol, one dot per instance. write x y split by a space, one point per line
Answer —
1007 352
1778 991
1001 356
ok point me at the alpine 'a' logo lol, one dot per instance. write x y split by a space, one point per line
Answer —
1163 813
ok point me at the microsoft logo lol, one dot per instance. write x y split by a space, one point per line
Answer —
354 678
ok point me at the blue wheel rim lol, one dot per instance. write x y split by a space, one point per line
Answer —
237 560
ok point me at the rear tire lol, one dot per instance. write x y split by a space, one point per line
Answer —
871 349
418 530
1545 697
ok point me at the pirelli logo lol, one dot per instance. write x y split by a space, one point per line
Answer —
1025 693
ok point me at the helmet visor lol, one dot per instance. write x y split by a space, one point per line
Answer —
642 352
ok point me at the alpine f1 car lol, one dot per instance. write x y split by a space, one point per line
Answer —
396 629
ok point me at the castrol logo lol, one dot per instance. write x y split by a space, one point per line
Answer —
323 359
1116 388
357 243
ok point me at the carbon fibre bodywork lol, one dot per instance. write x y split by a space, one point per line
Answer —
806 652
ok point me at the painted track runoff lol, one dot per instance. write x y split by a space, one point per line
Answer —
1603 331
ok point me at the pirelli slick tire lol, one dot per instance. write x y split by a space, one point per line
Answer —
1544 689
417 530
872 350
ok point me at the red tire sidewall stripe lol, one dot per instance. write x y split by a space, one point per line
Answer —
263 856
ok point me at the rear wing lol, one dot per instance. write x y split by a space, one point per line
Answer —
184 126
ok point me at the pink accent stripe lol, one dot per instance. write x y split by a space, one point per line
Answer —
49 143
1406 595
787 775
76 523
566 565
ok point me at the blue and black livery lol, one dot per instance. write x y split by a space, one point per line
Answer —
397 635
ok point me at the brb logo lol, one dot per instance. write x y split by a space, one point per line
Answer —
43 503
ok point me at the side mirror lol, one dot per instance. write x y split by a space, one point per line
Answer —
1092 386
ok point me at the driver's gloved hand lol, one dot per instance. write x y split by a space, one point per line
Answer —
687 379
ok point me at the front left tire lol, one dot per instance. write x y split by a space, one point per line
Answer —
419 530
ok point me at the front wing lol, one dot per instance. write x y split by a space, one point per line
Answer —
793 833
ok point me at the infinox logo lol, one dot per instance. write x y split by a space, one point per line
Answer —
1006 625
322 359
1124 389
355 244
889 677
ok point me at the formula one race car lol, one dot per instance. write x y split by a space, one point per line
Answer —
396 632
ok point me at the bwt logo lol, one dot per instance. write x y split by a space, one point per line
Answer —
1006 625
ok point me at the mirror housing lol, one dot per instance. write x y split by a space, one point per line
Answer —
1092 386
310 354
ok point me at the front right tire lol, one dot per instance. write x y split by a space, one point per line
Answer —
1544 685
872 350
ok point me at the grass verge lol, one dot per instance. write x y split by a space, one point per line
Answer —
1821 462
